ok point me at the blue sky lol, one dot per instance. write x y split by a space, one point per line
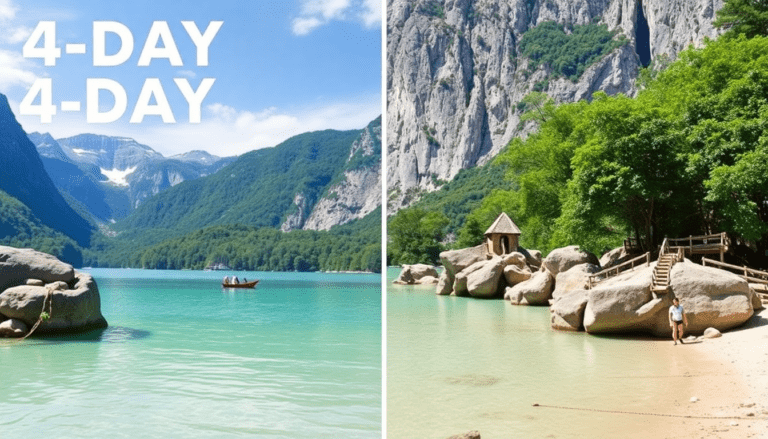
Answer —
281 68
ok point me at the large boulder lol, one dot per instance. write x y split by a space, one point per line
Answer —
614 257
710 297
535 291
75 309
444 285
575 278
484 282
460 281
13 328
456 261
532 257
17 265
515 258
562 259
568 312
513 274
624 304
416 274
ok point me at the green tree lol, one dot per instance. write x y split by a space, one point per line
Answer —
415 236
748 17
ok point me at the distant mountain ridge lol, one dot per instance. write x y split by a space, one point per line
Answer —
23 177
277 187
111 176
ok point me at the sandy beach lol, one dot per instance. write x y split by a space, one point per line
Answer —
738 385
727 376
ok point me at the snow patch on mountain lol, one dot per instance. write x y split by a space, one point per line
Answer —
118 176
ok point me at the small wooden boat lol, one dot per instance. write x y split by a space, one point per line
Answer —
250 284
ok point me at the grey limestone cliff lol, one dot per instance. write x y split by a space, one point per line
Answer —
455 74
355 194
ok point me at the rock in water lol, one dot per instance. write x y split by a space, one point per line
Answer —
484 282
535 291
19 264
75 309
568 312
13 328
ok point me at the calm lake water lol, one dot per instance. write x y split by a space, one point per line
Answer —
298 357
456 364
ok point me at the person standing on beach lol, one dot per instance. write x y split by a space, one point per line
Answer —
677 320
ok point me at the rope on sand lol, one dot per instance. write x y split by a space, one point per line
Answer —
584 409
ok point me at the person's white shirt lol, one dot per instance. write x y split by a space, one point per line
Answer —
677 313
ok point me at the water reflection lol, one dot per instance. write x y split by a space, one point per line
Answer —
112 334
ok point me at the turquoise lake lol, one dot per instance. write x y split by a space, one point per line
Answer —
456 364
299 356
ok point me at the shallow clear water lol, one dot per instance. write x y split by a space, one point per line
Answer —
297 357
456 364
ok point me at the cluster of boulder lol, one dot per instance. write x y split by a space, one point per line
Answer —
712 298
31 281
417 274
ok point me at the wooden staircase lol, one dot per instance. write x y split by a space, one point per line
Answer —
661 273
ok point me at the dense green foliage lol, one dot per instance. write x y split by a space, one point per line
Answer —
256 190
748 17
454 201
414 236
570 54
687 156
351 247
19 227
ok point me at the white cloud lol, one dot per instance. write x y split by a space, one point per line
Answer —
303 26
316 13
371 13
15 71
224 130
188 73
7 10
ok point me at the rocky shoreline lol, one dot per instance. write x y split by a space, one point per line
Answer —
627 303
32 282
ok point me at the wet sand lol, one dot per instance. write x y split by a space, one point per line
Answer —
728 377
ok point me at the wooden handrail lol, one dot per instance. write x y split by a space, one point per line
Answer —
617 268
746 271
721 236
664 248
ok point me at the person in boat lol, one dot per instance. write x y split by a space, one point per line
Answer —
226 280
245 280
235 280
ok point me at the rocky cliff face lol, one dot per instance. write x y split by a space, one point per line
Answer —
359 191
455 74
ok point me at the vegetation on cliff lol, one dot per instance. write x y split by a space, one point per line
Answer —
688 155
